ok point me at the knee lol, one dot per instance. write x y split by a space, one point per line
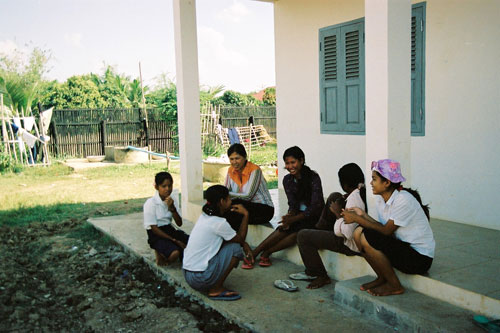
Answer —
174 255
235 249
365 245
357 234
303 236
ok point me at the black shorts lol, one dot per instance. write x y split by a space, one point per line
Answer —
257 214
401 255
166 246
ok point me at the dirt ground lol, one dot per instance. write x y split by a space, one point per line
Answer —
67 277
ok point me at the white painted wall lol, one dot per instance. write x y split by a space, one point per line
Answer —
454 166
297 82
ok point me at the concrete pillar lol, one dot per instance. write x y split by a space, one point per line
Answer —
188 106
388 84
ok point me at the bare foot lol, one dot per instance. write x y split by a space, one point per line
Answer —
375 283
385 290
319 282
223 292
160 259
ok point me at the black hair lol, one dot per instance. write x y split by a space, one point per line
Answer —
399 187
237 148
351 175
304 183
214 194
162 176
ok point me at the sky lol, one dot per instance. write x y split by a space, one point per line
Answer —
235 38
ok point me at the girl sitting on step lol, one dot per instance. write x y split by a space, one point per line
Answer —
401 238
167 241
333 234
214 248
305 203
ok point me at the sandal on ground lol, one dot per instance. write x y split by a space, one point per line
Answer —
226 295
265 262
247 264
488 325
301 276
286 285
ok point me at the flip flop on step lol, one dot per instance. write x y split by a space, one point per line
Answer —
488 325
226 295
286 285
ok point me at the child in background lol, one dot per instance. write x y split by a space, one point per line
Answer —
401 238
214 248
333 234
167 241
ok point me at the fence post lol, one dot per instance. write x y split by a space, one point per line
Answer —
103 136
55 139
146 131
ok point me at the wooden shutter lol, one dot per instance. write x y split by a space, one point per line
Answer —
342 78
417 70
329 51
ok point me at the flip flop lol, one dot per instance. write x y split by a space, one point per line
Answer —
265 262
286 285
301 276
247 264
488 325
226 295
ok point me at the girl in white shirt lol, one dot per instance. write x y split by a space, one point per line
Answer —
401 238
335 235
214 248
167 241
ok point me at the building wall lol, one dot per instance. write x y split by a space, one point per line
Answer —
297 87
454 165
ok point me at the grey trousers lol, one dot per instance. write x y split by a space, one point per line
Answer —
310 241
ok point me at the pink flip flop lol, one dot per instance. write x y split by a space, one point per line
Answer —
265 262
247 264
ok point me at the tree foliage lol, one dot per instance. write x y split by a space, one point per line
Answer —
21 78
22 83
235 98
269 97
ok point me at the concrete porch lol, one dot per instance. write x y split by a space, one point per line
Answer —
463 281
465 271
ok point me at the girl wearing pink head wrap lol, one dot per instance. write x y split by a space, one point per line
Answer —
401 237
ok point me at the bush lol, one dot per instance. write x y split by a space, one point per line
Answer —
8 164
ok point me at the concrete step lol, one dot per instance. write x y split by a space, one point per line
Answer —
409 312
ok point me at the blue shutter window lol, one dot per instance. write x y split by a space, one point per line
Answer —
342 78
417 70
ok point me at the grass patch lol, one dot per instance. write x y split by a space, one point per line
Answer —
264 155
57 213
88 234
272 184
57 193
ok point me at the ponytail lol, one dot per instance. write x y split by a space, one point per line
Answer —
416 195
362 194
419 199
351 176
214 194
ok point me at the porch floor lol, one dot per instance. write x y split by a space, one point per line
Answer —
467 265
466 256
